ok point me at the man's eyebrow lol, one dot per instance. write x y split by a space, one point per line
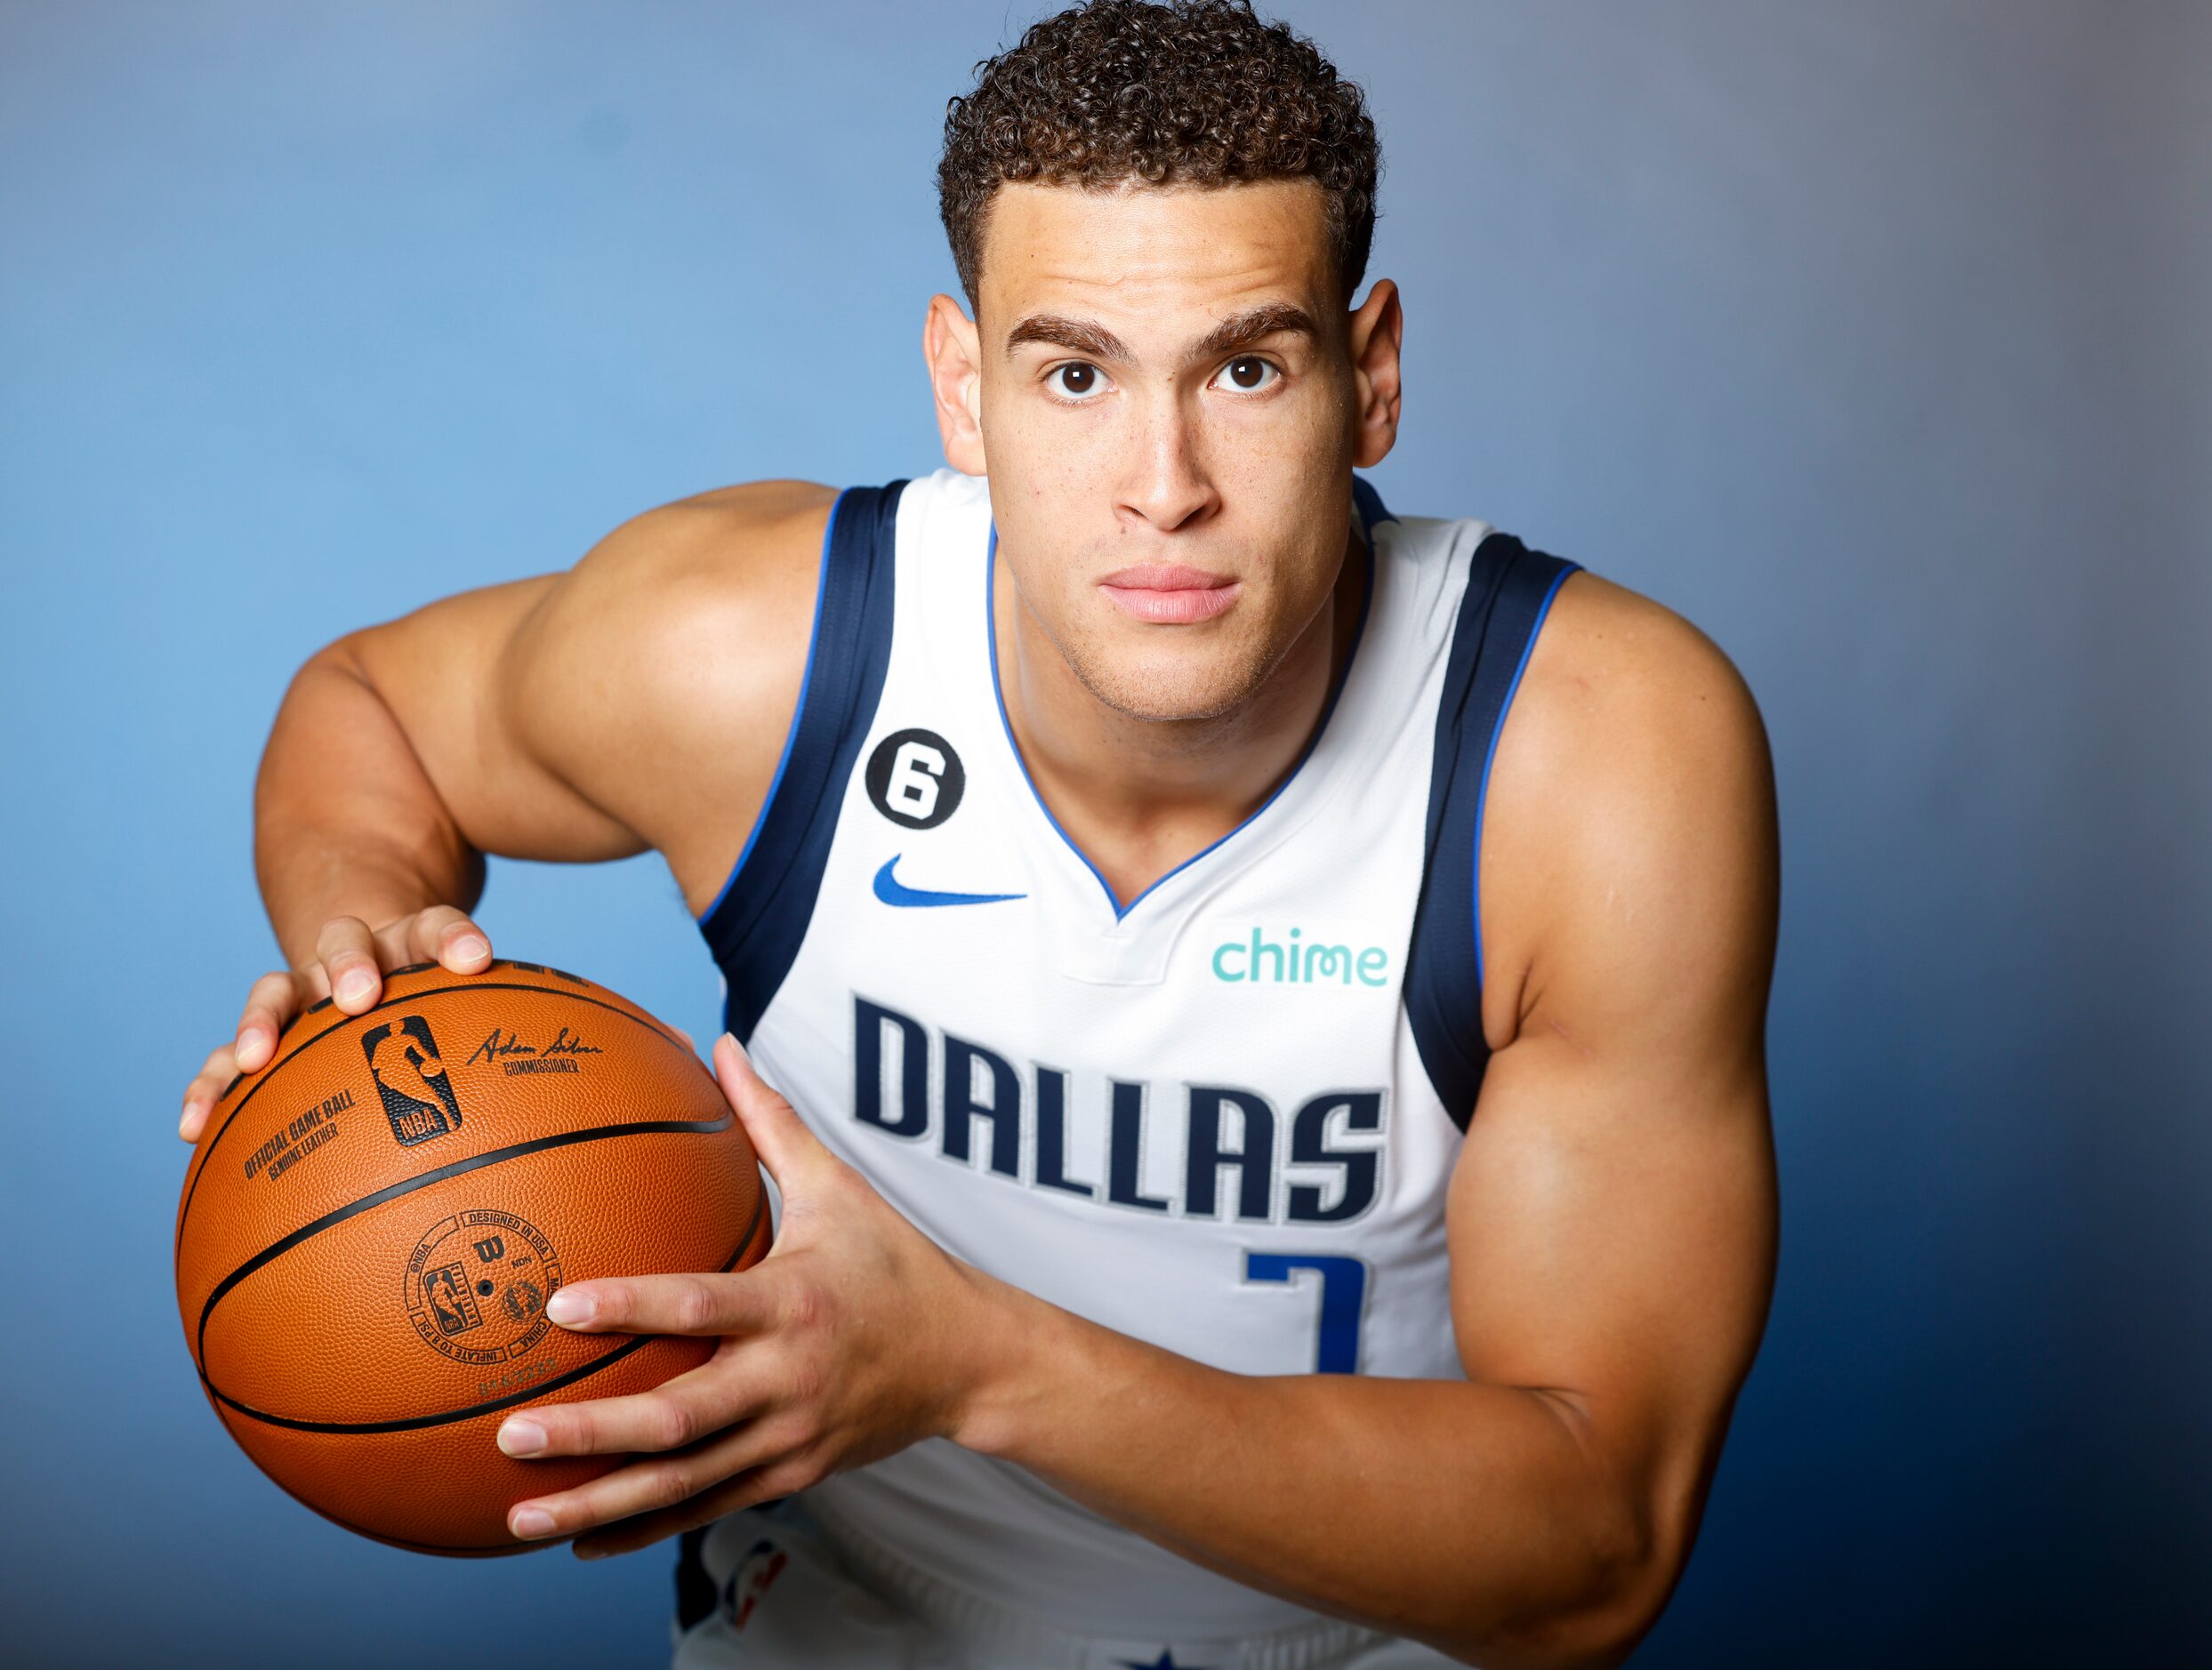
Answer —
1080 335
1241 329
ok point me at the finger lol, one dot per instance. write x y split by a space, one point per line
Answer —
205 1089
347 952
740 1491
644 1487
786 1147
273 1001
390 944
443 935
678 1412
722 1303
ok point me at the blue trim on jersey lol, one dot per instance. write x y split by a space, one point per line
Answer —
1489 756
757 926
1344 675
1509 590
799 714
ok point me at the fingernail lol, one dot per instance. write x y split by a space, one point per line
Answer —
569 1307
355 986
468 948
589 1551
520 1437
530 1522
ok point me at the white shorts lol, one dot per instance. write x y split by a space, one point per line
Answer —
786 1596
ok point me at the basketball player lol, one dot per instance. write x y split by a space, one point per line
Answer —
1252 998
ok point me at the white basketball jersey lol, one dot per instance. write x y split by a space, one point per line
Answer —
1220 1116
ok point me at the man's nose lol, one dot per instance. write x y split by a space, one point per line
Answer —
1166 484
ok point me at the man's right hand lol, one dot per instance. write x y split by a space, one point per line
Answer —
349 966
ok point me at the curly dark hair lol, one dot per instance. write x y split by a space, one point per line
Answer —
1198 92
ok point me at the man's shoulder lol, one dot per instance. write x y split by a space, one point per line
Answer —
1619 674
663 670
1632 794
739 548
666 596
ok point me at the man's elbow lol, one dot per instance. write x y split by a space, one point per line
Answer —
1595 1633
1603 1603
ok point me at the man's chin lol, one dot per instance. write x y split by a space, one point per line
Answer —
1170 690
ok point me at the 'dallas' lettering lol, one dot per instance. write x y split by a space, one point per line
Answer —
1297 962
1242 1157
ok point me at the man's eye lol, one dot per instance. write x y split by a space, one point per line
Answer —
1250 373
1076 381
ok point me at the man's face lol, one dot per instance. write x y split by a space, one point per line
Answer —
1170 413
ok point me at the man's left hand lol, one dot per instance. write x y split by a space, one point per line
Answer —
856 1337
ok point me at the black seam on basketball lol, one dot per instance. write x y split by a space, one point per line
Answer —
582 1371
465 1550
476 985
459 1167
366 1428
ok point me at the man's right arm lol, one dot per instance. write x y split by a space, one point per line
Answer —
639 701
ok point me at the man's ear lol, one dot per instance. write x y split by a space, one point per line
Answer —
949 343
1377 328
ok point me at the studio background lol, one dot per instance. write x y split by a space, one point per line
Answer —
1872 338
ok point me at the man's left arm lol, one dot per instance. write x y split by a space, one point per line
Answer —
1610 1222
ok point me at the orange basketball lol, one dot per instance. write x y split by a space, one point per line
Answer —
372 1223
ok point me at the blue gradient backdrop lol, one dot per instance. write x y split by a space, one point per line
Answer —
1871 337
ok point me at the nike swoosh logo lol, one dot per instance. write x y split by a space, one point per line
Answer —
891 890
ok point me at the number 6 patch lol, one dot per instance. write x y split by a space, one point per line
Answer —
915 779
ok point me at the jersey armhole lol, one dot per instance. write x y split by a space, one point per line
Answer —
1510 593
756 923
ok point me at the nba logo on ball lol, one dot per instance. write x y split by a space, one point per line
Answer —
418 1098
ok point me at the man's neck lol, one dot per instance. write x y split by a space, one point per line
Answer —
1139 797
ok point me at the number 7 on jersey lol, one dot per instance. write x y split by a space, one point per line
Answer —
1343 1301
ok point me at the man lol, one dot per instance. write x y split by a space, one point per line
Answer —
1275 1164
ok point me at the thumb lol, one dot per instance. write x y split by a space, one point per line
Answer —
786 1147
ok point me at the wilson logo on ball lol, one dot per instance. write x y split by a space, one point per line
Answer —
418 1095
460 1283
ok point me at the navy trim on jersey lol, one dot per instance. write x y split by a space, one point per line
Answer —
791 736
1509 595
1370 505
695 1588
1489 756
755 924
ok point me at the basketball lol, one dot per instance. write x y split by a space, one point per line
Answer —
370 1225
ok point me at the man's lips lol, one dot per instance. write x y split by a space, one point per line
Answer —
1170 594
